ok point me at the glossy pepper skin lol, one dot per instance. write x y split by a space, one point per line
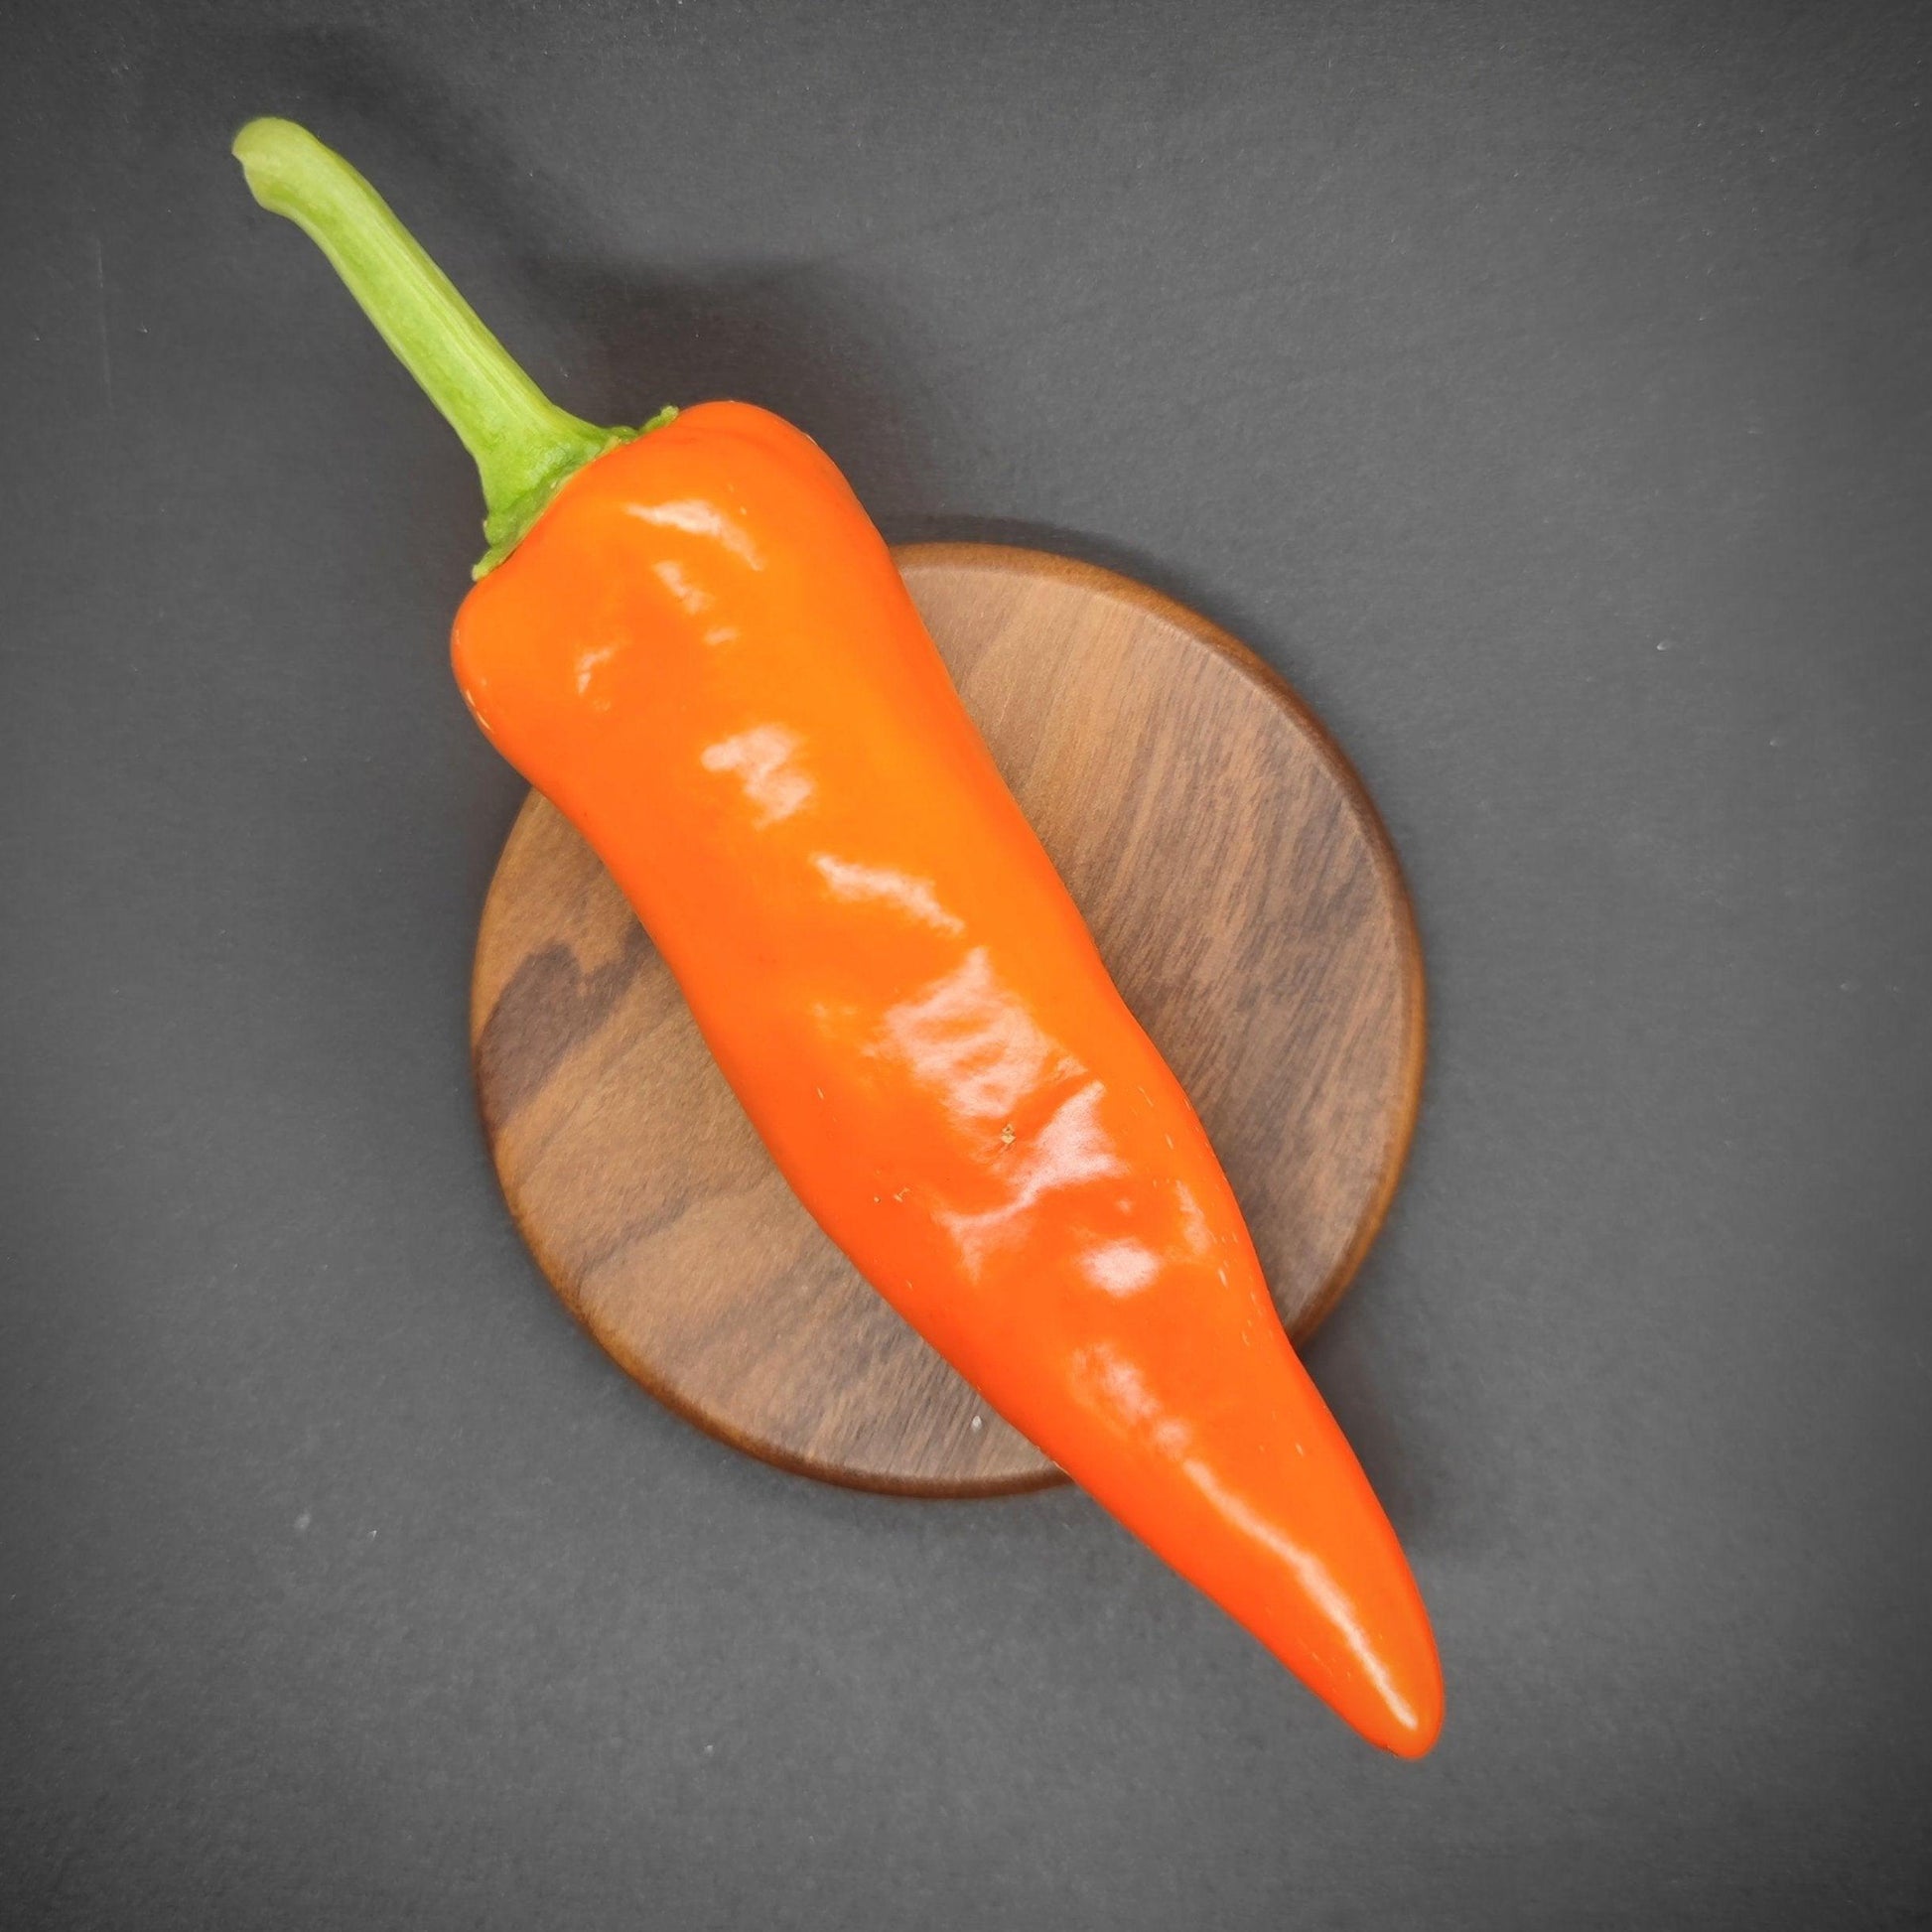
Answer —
701 651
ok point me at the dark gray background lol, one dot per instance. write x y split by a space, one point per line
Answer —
1548 392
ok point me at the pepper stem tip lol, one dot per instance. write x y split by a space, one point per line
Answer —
526 446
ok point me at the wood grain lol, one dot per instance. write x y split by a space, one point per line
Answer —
1246 900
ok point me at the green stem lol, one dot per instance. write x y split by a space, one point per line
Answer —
526 446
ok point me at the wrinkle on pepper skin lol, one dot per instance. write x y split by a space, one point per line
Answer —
1120 1266
972 1043
691 597
699 518
845 878
763 761
1071 1149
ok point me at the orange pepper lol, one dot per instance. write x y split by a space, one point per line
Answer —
695 644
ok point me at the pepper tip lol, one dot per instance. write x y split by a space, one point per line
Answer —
1407 1723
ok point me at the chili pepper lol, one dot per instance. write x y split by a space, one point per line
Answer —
694 641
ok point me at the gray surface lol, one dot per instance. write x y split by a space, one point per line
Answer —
1547 391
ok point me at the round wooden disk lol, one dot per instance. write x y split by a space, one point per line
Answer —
1245 898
